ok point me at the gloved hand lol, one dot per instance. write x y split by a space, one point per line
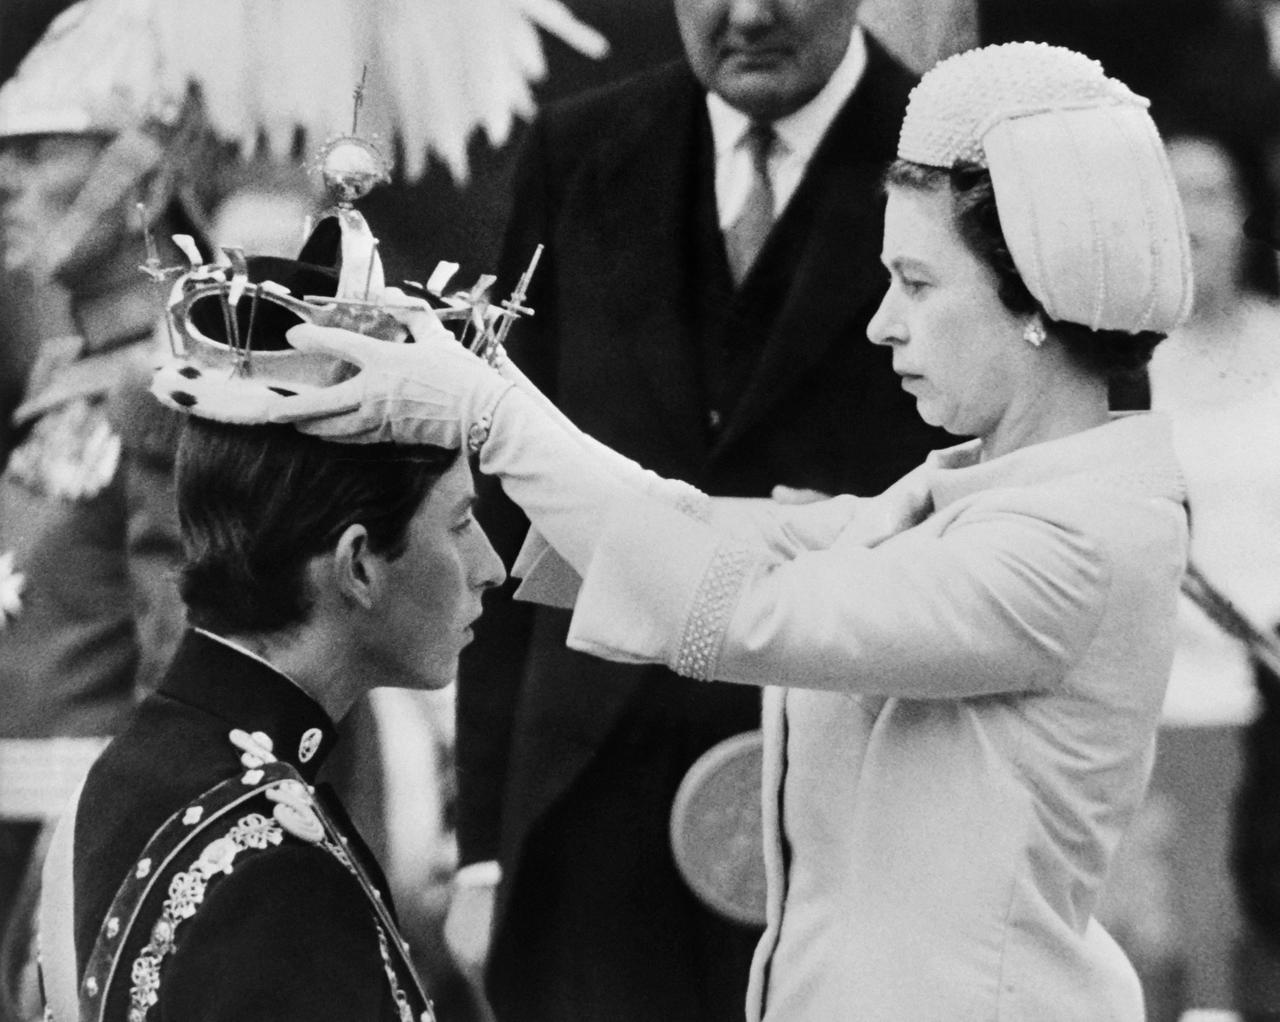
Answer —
904 505
597 457
432 391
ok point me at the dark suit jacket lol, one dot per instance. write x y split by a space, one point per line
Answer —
288 932
638 336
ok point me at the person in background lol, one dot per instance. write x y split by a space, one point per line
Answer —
711 229
88 610
964 675
1218 377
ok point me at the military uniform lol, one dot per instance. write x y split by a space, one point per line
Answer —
89 611
88 541
214 883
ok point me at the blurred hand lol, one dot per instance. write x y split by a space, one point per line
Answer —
468 927
797 495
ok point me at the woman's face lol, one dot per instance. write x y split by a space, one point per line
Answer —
955 345
1214 207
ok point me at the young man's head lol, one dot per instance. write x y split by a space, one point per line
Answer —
369 551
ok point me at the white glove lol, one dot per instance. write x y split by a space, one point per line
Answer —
598 457
433 391
904 505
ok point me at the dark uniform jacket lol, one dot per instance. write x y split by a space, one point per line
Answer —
568 765
87 521
286 930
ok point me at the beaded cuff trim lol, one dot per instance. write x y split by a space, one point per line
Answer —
712 605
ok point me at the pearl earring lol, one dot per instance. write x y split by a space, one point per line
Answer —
1033 333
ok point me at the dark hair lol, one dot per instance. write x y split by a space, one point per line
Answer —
256 503
1105 352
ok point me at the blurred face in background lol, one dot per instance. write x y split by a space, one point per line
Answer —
767 58
1214 205
40 178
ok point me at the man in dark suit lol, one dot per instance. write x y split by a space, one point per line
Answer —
712 236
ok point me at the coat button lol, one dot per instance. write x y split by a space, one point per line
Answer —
714 420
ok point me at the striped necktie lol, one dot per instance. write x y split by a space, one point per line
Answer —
746 235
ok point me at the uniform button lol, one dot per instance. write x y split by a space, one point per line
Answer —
714 419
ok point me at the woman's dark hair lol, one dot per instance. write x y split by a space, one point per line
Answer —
257 503
1105 352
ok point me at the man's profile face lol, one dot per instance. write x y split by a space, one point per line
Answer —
434 587
40 177
766 58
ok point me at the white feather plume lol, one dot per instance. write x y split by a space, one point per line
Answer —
438 70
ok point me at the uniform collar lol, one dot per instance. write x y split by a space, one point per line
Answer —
1133 450
248 693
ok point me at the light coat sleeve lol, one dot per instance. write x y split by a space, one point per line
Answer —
996 599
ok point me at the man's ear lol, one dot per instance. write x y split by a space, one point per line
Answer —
357 571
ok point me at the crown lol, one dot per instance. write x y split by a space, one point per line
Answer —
227 317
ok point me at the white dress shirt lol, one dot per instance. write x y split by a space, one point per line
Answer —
798 137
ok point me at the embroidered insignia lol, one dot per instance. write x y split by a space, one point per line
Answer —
72 452
478 433
301 823
217 857
192 815
256 749
310 744
255 831
113 926
11 586
186 893
251 777
162 936
294 813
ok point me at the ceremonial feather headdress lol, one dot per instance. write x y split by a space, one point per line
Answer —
269 70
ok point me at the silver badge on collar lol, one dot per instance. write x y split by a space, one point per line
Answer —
310 744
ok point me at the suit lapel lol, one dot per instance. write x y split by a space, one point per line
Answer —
814 285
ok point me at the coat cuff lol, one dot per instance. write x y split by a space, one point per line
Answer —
662 588
545 577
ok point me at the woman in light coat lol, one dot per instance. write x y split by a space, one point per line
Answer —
965 674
